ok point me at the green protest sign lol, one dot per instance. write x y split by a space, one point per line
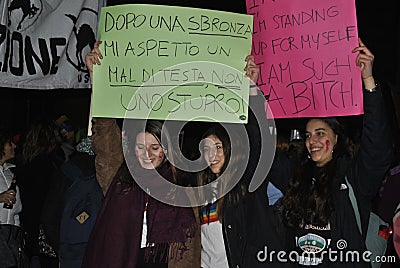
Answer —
176 63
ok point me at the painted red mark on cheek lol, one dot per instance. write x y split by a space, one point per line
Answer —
161 155
327 145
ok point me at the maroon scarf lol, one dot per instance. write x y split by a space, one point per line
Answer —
116 236
167 226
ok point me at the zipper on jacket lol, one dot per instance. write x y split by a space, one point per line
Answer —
227 246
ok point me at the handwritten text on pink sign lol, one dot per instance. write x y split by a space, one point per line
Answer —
304 51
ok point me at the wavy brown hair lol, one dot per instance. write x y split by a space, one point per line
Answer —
42 138
309 196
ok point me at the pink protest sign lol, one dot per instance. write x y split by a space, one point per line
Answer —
304 51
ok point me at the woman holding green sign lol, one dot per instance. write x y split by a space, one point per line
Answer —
237 227
133 229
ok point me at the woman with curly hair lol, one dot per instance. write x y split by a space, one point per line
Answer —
317 209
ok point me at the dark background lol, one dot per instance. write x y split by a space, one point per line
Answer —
379 28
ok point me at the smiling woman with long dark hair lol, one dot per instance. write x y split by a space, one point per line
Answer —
316 209
237 224
133 228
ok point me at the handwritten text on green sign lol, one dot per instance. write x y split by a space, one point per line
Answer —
163 50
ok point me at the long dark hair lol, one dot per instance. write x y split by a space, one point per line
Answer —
155 128
206 176
309 197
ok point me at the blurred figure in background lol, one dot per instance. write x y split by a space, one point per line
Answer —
41 156
396 230
9 217
67 133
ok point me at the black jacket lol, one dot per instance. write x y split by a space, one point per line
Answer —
250 228
364 171
54 204
35 178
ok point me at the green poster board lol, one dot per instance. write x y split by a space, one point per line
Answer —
175 63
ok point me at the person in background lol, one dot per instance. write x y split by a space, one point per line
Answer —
67 243
317 211
67 134
396 230
41 156
82 198
293 148
9 217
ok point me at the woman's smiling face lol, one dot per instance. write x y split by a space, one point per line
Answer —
214 153
9 151
320 141
149 151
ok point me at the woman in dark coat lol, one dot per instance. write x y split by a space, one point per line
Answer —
317 212
236 224
134 229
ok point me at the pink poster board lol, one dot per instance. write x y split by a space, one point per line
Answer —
304 51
